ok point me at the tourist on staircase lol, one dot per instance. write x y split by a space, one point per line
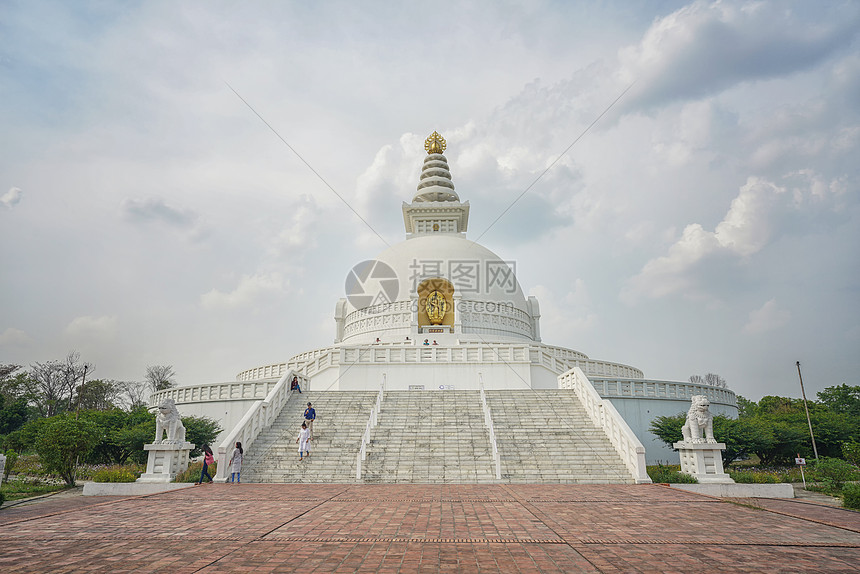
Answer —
310 416
304 441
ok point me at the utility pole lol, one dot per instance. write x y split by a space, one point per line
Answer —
809 420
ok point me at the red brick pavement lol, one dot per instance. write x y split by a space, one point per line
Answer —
427 528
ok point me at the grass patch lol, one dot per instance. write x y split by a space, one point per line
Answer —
118 473
753 477
21 488
669 473
756 474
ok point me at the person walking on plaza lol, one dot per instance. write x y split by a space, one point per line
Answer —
236 463
208 459
304 441
310 416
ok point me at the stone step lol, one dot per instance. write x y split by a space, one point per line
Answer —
439 437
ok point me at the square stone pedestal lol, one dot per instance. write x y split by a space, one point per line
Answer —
704 461
165 461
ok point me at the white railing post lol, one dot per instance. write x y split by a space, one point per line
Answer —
371 423
491 431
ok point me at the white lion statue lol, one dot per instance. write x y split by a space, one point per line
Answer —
168 420
699 419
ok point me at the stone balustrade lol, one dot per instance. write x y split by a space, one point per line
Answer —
232 391
643 388
258 417
605 416
556 359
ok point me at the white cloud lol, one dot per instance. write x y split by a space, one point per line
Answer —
251 289
707 47
89 327
14 337
155 209
745 229
11 198
768 318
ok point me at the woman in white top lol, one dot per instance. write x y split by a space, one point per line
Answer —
304 441
236 462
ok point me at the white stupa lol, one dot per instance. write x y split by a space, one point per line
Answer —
439 312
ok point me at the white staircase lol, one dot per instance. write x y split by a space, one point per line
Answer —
341 418
545 436
430 436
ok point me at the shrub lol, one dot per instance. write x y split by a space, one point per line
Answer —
666 473
851 452
192 474
851 496
29 465
11 459
2 498
834 472
62 441
116 473
753 477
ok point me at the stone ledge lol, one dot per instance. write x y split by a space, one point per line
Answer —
130 488
782 490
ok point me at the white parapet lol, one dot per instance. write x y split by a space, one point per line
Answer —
2 466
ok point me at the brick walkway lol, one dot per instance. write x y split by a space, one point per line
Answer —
427 528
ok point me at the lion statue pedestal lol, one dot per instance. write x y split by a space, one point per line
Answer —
165 461
170 456
701 456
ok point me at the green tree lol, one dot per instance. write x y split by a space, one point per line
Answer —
746 407
13 414
841 399
97 394
122 435
63 441
668 428
200 431
743 437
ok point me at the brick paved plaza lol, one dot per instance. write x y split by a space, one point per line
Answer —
426 528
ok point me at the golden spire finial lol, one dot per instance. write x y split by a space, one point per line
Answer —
435 143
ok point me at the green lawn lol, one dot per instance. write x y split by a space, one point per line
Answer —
18 489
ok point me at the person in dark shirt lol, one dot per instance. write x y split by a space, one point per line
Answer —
294 385
310 416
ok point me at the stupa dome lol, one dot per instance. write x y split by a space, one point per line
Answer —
475 291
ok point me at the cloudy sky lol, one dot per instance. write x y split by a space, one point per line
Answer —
708 222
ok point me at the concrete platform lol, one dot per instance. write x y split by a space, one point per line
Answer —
735 490
427 528
131 488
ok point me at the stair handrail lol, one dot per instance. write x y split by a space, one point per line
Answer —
604 414
372 421
488 422
258 417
